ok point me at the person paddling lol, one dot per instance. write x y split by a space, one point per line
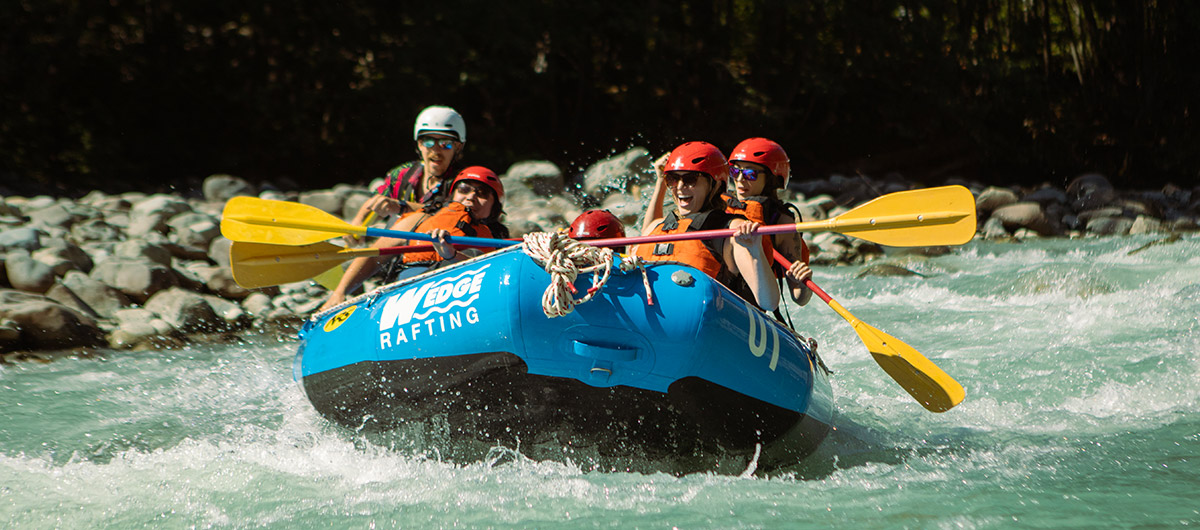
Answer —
696 173
474 211
759 168
441 136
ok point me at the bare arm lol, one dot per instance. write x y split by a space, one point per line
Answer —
362 268
654 210
789 245
753 265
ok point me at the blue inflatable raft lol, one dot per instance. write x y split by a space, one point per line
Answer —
698 371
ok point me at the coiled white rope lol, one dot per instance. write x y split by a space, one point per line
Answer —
565 258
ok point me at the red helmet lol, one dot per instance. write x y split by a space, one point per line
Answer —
596 224
765 152
699 156
484 175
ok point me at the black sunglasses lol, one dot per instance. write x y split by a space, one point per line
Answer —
689 178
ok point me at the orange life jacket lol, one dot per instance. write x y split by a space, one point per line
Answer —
453 218
765 210
707 255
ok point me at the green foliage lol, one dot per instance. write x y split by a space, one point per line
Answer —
1024 91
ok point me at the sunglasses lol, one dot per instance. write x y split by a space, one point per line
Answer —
748 174
689 178
467 187
430 143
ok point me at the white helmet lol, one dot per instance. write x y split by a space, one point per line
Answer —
438 119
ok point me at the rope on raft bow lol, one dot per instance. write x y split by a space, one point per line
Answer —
564 258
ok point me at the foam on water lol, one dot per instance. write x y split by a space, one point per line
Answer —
1078 359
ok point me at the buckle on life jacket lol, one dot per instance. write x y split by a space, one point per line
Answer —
664 249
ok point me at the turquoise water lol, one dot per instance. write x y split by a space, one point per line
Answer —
1083 389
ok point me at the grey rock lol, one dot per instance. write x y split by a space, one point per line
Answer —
1090 191
26 273
1109 226
186 311
165 205
627 208
1046 196
62 294
218 251
993 228
1025 215
64 256
993 197
138 249
1145 224
329 201
620 172
257 304
193 230
234 316
106 301
221 188
95 230
139 280
58 215
353 203
46 325
27 238
149 223
543 177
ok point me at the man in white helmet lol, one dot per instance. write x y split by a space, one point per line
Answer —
440 134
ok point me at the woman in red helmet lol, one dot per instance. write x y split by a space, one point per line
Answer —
759 168
474 210
695 173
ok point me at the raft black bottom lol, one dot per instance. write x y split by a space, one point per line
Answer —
492 398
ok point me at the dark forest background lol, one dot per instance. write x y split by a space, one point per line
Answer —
140 94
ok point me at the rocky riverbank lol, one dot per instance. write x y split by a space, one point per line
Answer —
135 271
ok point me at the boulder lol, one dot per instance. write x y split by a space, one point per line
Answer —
221 188
1045 196
329 201
186 311
58 215
992 198
106 301
620 172
62 294
26 273
543 177
141 250
218 251
27 238
1025 215
95 230
64 256
162 205
137 279
993 228
45 325
1090 191
1109 226
1145 224
193 230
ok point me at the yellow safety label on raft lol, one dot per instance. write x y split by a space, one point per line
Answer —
337 319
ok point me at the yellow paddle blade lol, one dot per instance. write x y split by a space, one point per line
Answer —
933 388
331 278
262 265
254 220
916 218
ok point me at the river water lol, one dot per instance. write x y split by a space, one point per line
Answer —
1083 410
